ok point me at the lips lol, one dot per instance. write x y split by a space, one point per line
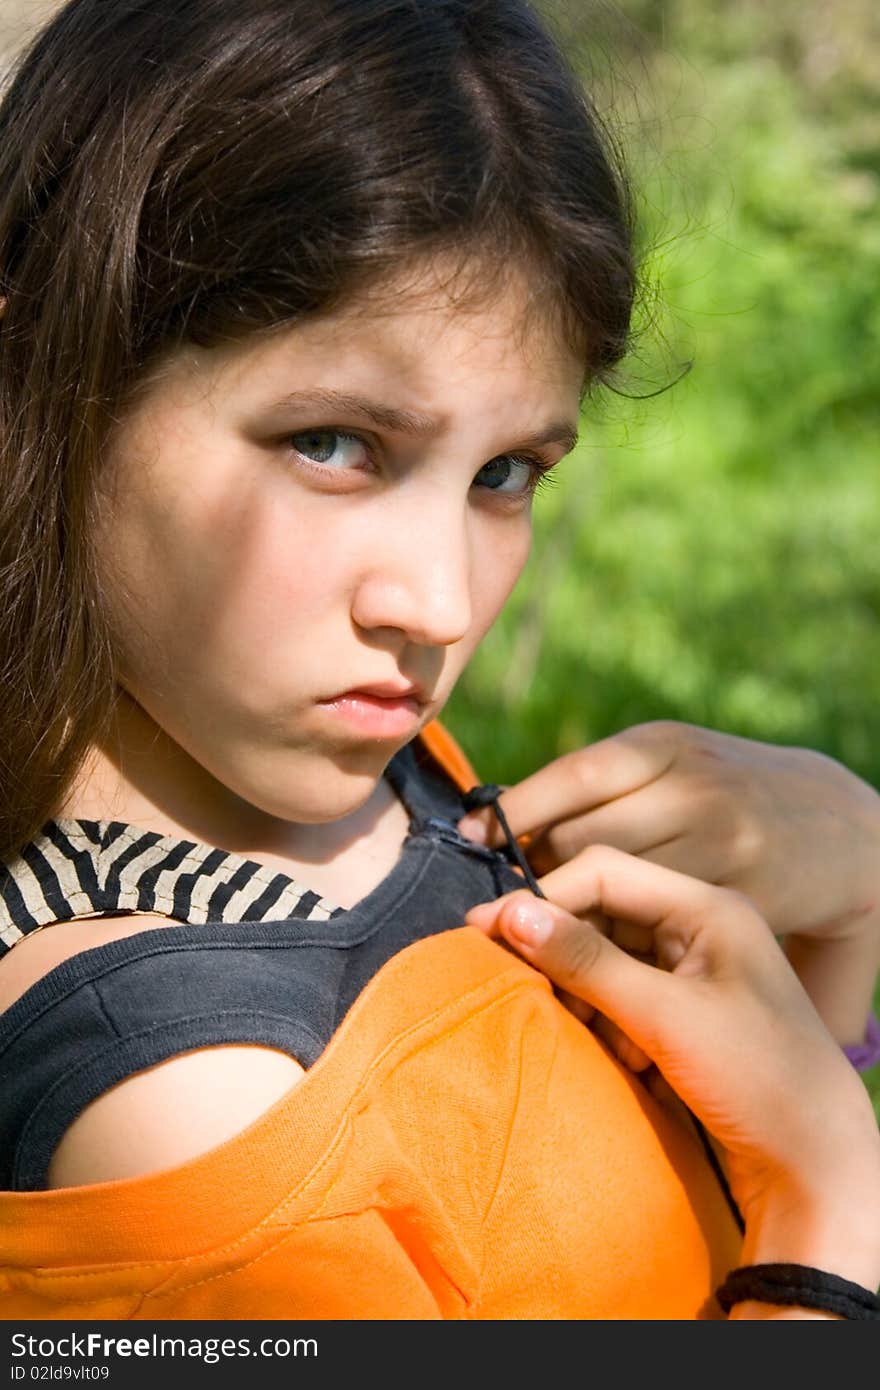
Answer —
376 716
387 690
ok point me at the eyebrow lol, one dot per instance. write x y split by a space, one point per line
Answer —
410 422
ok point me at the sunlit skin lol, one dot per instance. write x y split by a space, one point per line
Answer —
253 575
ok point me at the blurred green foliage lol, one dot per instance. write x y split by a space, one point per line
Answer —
711 554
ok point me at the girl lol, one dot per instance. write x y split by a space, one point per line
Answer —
301 302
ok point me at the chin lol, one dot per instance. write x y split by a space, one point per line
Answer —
328 788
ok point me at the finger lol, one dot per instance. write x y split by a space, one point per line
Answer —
620 1043
705 853
584 963
664 1094
678 909
622 886
582 1011
486 917
481 826
581 780
574 887
630 937
649 815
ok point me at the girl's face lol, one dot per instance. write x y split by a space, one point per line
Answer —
343 504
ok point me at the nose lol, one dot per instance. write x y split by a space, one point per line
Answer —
418 578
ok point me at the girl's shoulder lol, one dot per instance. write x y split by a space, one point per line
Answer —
42 950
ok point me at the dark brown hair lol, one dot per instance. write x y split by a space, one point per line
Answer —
198 170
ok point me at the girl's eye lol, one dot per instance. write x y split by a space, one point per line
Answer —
528 475
332 450
330 446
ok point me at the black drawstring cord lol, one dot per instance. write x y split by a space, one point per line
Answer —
715 1165
485 795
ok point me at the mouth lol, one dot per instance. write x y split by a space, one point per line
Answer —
377 716
388 692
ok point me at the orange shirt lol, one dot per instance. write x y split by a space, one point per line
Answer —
463 1148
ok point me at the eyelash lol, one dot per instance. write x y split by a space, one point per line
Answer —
539 468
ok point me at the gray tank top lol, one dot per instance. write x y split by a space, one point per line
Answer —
258 958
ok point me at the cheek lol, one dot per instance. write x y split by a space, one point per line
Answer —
502 567
211 584
287 584
497 568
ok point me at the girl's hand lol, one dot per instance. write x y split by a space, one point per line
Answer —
793 829
730 1029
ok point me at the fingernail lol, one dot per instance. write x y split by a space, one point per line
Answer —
531 924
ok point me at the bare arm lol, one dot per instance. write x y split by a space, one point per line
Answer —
167 1113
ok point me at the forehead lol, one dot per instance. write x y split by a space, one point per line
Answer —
430 327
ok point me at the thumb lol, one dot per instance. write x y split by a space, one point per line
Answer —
579 958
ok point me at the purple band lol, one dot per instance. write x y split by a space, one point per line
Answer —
866 1054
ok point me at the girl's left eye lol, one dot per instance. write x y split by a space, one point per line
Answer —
321 445
327 449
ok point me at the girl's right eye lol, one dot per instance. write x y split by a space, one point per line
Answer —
330 447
